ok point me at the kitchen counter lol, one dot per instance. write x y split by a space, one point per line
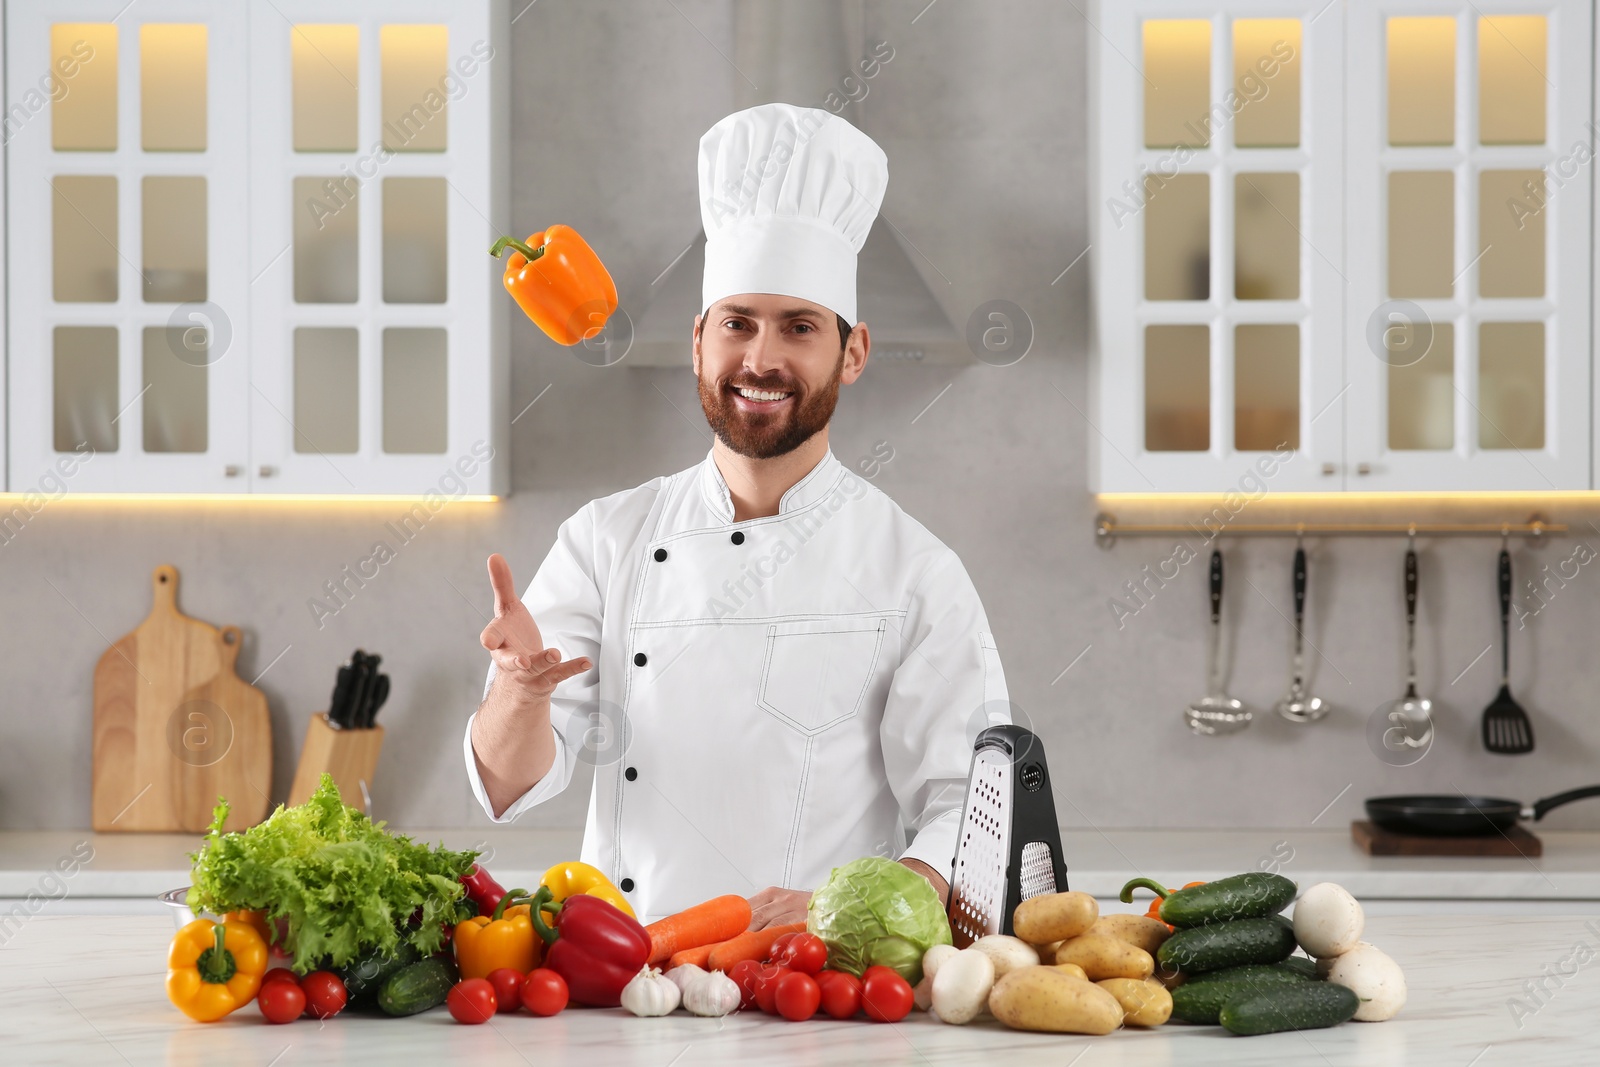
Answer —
88 989
136 867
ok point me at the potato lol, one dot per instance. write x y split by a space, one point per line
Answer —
1043 998
1106 957
1328 921
1008 953
1047 951
1072 969
1140 930
1144 1003
1373 976
1054 917
1168 979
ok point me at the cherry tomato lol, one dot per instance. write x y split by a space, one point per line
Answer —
806 953
797 996
281 1001
766 986
744 976
279 974
841 993
472 1001
544 992
325 993
878 968
507 982
778 947
885 995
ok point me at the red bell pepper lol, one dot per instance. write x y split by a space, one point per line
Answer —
482 889
594 947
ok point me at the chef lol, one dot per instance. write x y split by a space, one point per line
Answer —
772 668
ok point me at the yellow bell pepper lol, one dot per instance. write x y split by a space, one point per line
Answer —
214 968
574 878
486 943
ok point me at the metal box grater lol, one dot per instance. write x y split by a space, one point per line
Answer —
1009 848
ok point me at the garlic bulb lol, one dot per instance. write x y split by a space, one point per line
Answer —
650 993
710 994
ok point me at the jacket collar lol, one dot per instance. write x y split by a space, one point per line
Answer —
817 483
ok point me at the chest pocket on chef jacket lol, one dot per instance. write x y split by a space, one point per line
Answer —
816 674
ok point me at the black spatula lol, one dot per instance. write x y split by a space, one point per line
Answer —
1506 729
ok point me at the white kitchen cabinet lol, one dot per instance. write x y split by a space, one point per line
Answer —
1322 256
248 246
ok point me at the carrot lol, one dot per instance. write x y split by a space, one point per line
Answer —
704 924
751 945
695 956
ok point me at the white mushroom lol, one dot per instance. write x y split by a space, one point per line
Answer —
1370 974
1328 921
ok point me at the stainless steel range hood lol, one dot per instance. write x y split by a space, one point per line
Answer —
800 52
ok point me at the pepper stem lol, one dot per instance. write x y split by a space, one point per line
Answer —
216 962
1143 883
544 901
513 896
499 247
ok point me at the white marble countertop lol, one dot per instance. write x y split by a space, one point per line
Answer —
88 989
1098 862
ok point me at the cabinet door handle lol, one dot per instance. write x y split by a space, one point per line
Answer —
266 471
1363 468
231 471
1329 468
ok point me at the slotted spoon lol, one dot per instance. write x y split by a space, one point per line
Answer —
1216 712
1506 729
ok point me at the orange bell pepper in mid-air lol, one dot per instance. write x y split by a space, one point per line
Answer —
214 968
559 282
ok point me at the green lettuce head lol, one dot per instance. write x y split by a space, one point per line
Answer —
876 911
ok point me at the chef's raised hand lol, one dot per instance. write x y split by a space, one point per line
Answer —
513 640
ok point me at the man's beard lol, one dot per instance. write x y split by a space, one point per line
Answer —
761 435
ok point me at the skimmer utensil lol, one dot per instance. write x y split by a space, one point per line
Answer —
1216 712
1297 706
1009 848
1506 729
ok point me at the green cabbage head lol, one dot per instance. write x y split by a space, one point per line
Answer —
876 911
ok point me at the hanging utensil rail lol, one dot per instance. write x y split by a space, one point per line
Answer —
1107 529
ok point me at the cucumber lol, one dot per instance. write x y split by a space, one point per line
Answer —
1252 895
418 987
1229 944
1200 999
1292 1006
365 975
1304 965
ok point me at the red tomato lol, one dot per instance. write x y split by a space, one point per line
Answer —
279 974
805 953
744 976
841 993
797 996
878 968
778 947
507 982
281 1001
544 992
885 995
325 993
472 1001
766 986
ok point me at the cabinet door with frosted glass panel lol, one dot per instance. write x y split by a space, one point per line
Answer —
128 284
1470 163
379 330
1217 244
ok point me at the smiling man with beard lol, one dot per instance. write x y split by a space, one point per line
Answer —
750 743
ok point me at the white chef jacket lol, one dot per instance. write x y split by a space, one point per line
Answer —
772 698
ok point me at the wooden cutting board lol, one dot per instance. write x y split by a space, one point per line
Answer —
174 726
1376 841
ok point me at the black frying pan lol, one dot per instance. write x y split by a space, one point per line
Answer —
1463 816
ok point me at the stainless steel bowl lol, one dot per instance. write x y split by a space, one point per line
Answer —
176 899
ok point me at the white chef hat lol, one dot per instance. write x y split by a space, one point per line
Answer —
787 195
